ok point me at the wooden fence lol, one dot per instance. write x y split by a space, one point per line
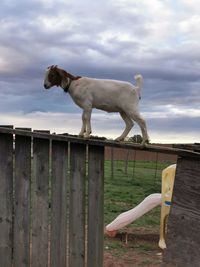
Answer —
43 202
51 201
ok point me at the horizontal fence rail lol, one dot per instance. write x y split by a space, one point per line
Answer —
104 143
51 200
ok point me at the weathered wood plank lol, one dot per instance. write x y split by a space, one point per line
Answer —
6 199
59 204
183 239
95 206
40 203
77 205
194 147
7 126
112 162
22 201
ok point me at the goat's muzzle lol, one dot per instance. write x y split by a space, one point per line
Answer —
46 86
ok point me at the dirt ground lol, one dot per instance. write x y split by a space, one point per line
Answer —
132 250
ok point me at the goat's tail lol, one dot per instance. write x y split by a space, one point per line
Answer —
139 79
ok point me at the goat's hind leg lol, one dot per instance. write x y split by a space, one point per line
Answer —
88 124
142 123
129 124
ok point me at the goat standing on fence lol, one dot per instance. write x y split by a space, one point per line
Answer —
107 95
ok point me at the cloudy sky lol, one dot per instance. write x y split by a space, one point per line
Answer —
112 39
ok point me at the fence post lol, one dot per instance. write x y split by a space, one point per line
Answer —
126 161
95 206
112 161
6 199
183 239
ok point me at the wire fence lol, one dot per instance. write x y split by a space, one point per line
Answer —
126 162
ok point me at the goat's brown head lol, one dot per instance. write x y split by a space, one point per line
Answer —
53 77
56 76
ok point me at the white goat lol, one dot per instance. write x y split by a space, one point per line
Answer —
108 95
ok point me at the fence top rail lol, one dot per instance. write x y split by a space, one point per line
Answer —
99 142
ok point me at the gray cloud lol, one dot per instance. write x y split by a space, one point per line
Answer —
105 39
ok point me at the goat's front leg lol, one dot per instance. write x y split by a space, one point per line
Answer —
83 129
88 122
86 127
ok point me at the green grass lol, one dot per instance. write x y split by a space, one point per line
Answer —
127 187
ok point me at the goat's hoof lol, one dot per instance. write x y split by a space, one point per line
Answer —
86 136
119 139
145 142
162 244
81 135
142 145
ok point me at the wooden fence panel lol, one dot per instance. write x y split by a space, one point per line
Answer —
6 199
95 206
40 203
77 205
183 240
24 209
59 204
22 201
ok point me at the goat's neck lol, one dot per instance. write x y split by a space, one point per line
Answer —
65 84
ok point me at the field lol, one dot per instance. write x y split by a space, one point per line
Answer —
124 188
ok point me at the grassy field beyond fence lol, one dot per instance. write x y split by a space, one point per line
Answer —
127 184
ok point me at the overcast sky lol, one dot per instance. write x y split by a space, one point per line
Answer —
112 39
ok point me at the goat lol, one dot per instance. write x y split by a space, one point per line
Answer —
107 95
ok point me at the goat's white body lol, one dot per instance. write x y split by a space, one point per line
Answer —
107 95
